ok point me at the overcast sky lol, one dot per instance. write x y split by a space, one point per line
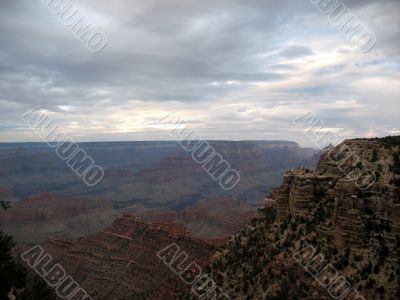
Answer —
232 69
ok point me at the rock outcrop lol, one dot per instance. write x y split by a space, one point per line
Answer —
121 262
347 210
336 180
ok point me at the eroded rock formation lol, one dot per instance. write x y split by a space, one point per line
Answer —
334 180
120 262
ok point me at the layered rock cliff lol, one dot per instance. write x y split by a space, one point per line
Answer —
121 262
346 212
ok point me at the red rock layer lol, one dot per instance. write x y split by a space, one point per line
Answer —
120 262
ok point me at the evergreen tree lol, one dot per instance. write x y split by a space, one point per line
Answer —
13 276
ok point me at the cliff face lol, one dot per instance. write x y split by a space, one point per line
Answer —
120 262
34 218
347 209
335 180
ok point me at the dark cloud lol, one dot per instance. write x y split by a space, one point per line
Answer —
202 56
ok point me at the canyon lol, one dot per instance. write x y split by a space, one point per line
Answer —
153 174
157 181
346 210
35 218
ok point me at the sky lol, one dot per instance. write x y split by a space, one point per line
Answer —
230 69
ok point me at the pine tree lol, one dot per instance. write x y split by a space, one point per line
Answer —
13 275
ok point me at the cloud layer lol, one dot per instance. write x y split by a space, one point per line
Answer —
231 69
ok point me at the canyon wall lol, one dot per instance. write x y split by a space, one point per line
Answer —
35 218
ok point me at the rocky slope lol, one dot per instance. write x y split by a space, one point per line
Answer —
121 262
35 218
321 225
